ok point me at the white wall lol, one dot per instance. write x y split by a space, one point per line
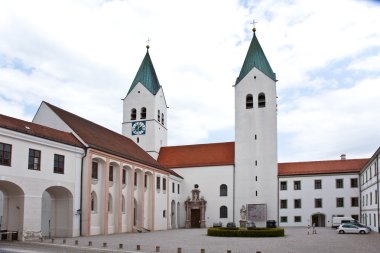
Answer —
329 193
209 180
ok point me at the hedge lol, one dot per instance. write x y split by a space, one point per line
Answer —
251 232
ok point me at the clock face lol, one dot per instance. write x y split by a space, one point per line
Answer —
138 128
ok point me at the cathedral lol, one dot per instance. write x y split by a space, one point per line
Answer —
83 179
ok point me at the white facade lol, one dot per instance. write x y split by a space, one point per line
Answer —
256 144
369 195
155 135
39 199
304 200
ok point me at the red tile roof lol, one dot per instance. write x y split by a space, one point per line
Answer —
103 139
214 154
39 131
321 167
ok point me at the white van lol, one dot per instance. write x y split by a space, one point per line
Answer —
336 221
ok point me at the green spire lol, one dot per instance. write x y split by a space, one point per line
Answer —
255 59
146 75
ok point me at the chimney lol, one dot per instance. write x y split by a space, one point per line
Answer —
343 157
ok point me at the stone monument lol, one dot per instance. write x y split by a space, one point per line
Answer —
243 216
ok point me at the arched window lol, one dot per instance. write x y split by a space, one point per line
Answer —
109 203
223 190
123 204
158 116
133 114
94 202
223 212
94 170
249 101
162 117
143 113
261 100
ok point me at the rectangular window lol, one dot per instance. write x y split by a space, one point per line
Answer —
110 173
164 184
339 202
317 184
370 198
135 178
59 164
283 185
297 203
178 188
5 154
124 179
164 213
283 203
94 170
354 201
375 196
297 185
158 183
297 218
34 161
354 183
318 203
284 219
339 183
173 187
145 180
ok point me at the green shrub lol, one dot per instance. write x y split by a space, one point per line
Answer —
251 232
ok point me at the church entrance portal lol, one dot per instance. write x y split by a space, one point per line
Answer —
195 210
319 219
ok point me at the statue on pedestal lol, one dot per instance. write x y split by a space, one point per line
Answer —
243 213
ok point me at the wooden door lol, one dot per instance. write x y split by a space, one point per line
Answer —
195 218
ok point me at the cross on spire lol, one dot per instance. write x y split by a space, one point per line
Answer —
254 22
147 43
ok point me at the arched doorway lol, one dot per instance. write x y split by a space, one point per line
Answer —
195 210
57 212
319 219
12 211
173 214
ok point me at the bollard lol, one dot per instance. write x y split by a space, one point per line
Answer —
202 250
258 251
90 243
228 251
157 248
64 241
179 250
52 240
104 244
120 246
138 247
76 242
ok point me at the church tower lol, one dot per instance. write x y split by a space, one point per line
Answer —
145 110
256 138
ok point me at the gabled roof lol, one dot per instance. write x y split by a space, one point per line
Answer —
103 139
215 154
255 58
321 167
37 130
146 75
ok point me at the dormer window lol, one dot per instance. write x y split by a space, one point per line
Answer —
143 113
261 100
133 114
158 116
249 101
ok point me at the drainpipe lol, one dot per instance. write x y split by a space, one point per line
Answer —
233 195
81 192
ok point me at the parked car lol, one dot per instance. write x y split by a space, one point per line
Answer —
217 224
250 224
361 225
231 225
351 228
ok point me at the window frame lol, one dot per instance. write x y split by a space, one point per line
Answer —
248 101
5 155
295 183
261 101
339 184
59 164
223 190
282 184
133 114
32 159
95 171
317 184
223 212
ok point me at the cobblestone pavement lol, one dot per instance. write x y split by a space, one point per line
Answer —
193 240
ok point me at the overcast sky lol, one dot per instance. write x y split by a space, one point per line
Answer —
82 56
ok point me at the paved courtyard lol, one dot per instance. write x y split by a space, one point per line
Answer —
193 240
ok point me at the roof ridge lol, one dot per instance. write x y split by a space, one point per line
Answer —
200 144
337 160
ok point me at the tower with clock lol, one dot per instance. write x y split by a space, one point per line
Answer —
145 110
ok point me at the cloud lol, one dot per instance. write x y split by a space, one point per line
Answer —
83 55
